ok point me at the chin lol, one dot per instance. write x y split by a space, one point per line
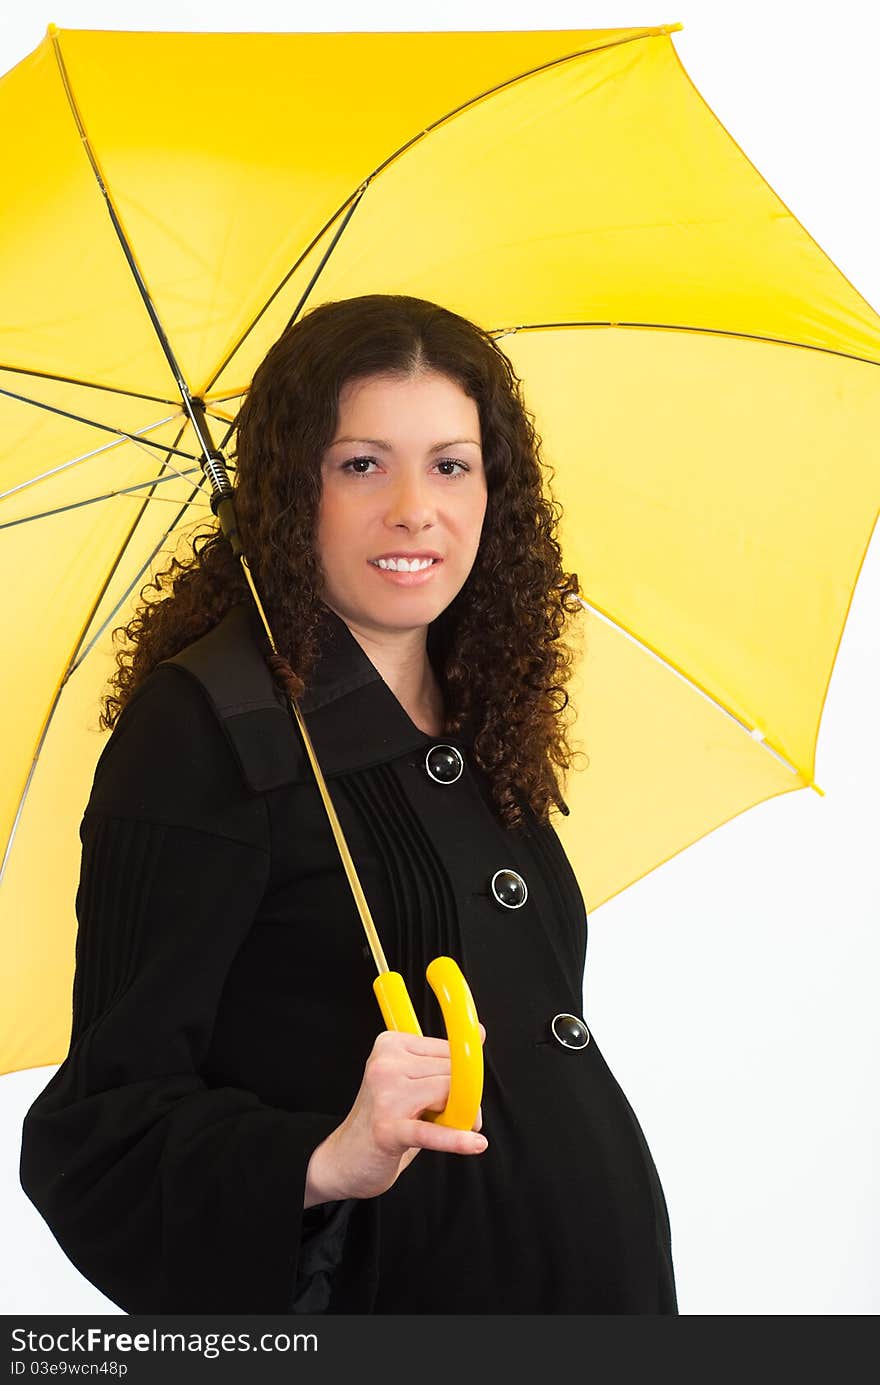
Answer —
416 613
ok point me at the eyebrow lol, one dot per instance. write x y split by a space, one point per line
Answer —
389 447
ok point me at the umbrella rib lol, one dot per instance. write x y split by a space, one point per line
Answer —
93 423
204 442
87 384
354 201
232 424
499 332
187 505
660 327
74 662
655 32
107 389
753 732
109 495
309 286
84 457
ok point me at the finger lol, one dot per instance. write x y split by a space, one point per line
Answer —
427 1094
440 1103
420 1068
444 1139
424 1045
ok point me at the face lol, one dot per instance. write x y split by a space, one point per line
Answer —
403 475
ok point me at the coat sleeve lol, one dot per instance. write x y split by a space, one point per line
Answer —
170 1195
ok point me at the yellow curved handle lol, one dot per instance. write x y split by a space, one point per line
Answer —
462 1030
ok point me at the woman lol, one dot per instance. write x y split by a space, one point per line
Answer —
233 1130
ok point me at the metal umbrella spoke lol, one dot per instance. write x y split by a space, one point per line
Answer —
71 669
352 204
500 332
753 731
195 414
80 652
110 495
87 456
183 509
93 423
85 384
396 154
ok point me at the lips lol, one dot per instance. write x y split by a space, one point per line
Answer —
428 553
430 558
407 578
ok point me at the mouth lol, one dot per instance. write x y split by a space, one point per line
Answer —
406 579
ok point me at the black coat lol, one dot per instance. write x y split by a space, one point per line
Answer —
223 1013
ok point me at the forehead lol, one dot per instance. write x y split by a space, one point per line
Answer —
367 402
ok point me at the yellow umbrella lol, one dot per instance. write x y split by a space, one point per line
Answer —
701 374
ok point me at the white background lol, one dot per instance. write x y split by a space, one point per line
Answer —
732 991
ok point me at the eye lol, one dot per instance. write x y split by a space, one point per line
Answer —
348 465
444 461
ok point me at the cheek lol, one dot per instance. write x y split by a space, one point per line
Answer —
330 538
478 520
335 521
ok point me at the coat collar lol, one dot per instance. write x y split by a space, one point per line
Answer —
352 716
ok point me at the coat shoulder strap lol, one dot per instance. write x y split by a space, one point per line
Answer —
254 712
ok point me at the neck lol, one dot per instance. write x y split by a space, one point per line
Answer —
401 657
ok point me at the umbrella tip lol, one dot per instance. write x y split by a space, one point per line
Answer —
52 31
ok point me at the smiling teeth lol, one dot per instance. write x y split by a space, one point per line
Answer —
404 564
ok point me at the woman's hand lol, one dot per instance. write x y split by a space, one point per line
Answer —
405 1075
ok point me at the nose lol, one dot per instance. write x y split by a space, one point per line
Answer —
410 503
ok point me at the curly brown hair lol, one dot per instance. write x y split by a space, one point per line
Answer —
497 650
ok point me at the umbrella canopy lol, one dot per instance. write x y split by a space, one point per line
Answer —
702 376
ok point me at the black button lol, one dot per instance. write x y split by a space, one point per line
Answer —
509 889
569 1031
444 763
